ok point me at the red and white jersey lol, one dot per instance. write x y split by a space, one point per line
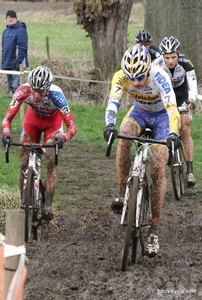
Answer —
52 102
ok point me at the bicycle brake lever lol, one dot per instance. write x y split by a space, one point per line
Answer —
173 148
109 140
109 145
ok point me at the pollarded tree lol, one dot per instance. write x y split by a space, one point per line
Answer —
181 19
106 22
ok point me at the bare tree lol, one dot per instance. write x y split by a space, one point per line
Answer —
181 19
106 22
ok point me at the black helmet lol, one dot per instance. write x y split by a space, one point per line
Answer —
169 45
143 36
40 78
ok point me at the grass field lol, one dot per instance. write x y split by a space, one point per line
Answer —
67 40
89 128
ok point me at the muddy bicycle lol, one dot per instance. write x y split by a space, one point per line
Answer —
136 212
33 195
177 163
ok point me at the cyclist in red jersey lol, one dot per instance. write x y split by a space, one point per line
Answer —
182 74
46 112
155 107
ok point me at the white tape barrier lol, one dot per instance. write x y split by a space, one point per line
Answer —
55 76
10 250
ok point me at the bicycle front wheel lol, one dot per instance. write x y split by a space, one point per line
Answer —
129 221
43 223
175 175
29 201
144 221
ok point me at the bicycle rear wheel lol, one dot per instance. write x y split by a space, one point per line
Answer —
182 174
29 201
144 221
129 221
43 224
175 175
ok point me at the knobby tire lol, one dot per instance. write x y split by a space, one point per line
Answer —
130 220
41 203
29 199
144 220
182 174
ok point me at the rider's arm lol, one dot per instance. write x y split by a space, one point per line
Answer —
58 98
192 84
70 124
168 97
116 94
11 112
188 66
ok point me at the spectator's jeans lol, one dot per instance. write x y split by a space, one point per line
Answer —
13 82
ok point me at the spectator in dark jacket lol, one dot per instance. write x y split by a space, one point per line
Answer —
14 48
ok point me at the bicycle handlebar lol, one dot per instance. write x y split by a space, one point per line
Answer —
139 139
33 146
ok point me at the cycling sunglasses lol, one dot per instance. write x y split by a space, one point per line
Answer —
138 78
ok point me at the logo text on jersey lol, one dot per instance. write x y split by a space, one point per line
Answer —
163 82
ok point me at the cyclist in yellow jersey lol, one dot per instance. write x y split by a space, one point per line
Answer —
155 107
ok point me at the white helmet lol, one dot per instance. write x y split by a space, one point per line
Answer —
169 45
40 78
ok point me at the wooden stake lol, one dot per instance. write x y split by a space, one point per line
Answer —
15 235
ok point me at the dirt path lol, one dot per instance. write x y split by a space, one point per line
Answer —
80 259
81 256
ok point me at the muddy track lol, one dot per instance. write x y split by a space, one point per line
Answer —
80 258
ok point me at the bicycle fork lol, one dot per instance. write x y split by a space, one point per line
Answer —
33 162
137 170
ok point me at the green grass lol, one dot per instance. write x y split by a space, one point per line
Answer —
90 122
67 40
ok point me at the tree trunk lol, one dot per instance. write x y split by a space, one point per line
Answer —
182 19
106 23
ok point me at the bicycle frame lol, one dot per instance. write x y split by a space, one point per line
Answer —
35 163
33 187
138 169
136 213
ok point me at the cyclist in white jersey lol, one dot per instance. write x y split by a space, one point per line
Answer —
155 107
182 74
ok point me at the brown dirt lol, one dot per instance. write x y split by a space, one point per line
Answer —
80 258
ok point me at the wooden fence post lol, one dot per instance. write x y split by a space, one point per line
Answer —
47 47
15 235
2 240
